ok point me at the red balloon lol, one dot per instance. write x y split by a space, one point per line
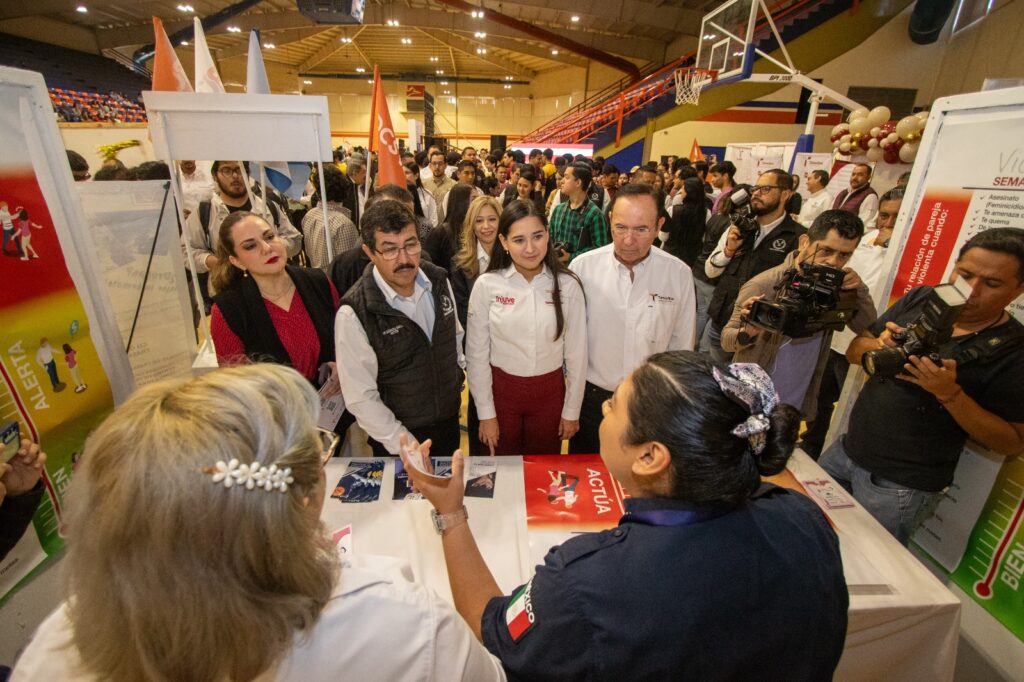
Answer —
834 138
897 144
889 127
891 154
864 142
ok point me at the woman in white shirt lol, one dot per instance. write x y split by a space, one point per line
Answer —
196 552
526 347
479 235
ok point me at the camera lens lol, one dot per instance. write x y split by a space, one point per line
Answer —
885 362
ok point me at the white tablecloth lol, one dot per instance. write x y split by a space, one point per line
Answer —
904 623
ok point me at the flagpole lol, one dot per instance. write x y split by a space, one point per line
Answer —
371 143
323 197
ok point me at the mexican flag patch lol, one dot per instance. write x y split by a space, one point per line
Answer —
519 614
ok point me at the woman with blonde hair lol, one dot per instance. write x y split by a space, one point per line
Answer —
196 552
479 233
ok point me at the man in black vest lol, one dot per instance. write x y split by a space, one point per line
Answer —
734 261
398 339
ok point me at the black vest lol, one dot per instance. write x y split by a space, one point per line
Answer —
246 314
772 250
418 379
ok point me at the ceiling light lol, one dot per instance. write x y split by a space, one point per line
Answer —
307 82
82 8
269 46
554 52
508 87
392 22
444 82
574 18
360 69
479 34
346 39
447 92
370 81
433 59
186 8
508 78
710 36
407 41
234 29
481 50
477 14
440 72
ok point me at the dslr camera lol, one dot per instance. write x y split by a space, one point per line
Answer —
924 336
742 216
810 300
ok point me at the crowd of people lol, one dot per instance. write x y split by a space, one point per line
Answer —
611 310
76 106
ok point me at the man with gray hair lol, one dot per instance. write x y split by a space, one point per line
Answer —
355 167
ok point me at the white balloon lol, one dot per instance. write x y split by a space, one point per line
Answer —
874 154
879 115
892 138
908 152
872 143
839 129
923 115
875 132
844 147
857 114
845 138
860 126
908 125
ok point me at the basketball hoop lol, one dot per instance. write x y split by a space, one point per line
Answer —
689 83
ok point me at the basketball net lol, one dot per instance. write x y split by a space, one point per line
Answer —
689 83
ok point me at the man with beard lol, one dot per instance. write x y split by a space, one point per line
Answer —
398 339
744 253
203 225
860 199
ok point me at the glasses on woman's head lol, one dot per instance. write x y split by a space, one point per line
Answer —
329 442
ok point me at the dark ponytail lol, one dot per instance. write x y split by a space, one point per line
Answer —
501 259
677 402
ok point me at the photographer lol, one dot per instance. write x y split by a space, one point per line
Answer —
796 365
765 235
899 474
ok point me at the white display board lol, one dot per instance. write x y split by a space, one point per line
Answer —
753 158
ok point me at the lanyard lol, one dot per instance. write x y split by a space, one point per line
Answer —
674 517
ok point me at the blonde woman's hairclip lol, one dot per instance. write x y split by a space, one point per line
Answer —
251 476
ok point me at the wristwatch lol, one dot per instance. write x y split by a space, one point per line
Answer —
443 522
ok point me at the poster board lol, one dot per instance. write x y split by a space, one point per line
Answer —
52 300
969 177
753 158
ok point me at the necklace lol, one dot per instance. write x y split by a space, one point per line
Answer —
273 297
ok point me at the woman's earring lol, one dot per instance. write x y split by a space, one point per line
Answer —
245 273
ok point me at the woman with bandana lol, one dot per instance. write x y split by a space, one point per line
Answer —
710 575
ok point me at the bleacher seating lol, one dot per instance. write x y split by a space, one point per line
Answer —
74 105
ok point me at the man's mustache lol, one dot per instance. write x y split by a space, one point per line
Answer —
405 266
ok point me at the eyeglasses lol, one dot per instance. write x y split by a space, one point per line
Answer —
764 189
329 442
391 252
236 171
621 231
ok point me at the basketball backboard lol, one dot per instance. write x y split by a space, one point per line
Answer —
725 36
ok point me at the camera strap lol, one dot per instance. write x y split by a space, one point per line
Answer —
986 348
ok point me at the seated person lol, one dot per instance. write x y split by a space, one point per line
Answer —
710 575
196 552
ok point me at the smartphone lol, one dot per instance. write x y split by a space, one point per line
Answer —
10 436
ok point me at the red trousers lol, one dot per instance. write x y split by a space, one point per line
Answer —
529 412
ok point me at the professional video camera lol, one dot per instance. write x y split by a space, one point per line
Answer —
742 216
923 337
810 300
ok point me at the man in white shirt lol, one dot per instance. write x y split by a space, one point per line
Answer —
196 185
861 198
640 301
866 261
398 340
818 201
438 184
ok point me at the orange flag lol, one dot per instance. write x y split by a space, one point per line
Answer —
382 138
167 71
695 153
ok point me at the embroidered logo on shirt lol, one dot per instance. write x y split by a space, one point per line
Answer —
664 299
505 300
519 614
447 306
779 245
392 330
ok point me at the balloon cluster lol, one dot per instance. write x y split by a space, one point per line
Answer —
872 134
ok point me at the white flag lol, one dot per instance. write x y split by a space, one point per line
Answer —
207 78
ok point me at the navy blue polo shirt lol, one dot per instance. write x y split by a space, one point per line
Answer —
755 593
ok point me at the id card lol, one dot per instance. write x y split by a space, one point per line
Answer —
10 436
403 486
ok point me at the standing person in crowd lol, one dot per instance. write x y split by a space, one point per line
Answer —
399 339
867 262
356 168
527 321
236 454
267 310
527 188
684 231
717 225
860 199
722 179
196 185
640 301
426 207
735 261
700 578
796 202
202 229
445 241
818 201
438 184
900 474
610 180
344 234
578 225
479 235
796 365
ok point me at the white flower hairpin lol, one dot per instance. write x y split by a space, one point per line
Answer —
251 476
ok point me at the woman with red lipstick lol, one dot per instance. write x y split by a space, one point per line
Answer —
266 310
526 348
